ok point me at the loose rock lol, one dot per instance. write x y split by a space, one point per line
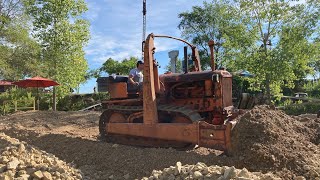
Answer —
38 174
211 172
47 176
23 162
13 164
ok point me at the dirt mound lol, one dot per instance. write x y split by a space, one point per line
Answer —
21 161
72 136
100 160
202 171
264 140
268 139
72 123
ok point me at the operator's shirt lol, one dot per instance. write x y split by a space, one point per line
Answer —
137 75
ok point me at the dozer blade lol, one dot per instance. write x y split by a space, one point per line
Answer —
117 125
200 133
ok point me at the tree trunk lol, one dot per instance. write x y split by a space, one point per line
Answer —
268 91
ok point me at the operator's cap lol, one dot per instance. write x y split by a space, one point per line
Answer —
139 62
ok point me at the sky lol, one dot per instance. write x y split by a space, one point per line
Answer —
116 30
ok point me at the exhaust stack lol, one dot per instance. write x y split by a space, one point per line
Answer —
173 56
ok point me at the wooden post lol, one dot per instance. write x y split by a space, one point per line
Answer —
4 107
15 106
34 104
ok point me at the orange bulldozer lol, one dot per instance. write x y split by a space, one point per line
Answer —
173 110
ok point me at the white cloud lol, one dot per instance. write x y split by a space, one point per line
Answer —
93 12
116 30
102 47
292 3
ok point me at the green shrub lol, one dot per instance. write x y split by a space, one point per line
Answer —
287 102
75 102
313 89
22 97
100 96
302 108
45 101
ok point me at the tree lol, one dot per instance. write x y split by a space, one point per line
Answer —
283 55
218 21
18 52
123 67
9 10
275 40
62 33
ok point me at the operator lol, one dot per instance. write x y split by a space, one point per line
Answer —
135 79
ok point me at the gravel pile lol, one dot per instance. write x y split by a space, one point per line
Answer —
20 161
202 171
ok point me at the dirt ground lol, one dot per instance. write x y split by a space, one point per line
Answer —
265 140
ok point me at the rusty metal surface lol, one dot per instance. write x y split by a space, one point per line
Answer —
118 90
150 112
227 92
213 64
196 133
134 113
132 118
214 136
196 59
171 37
166 131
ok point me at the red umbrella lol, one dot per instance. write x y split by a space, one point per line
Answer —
36 82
